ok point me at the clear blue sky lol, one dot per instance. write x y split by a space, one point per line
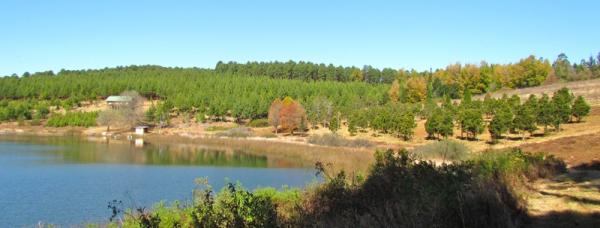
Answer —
51 35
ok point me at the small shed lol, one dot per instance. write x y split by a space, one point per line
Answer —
140 130
115 101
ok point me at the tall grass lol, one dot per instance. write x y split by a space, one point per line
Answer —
338 141
446 149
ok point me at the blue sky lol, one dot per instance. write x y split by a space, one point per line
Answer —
54 34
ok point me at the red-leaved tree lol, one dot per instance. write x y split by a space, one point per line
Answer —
287 113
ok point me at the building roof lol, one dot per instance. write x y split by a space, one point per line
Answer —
118 99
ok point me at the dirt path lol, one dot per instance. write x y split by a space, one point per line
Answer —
569 200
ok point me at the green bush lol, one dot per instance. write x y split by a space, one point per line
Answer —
259 123
515 162
233 206
76 119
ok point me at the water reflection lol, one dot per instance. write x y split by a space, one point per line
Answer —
69 180
91 150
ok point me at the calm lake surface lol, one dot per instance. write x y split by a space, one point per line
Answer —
70 180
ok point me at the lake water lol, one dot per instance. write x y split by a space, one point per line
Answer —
70 180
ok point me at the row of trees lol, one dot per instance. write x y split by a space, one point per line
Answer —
308 71
506 115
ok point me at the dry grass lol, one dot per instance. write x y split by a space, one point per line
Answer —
589 89
568 200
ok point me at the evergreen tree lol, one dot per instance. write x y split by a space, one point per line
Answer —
334 124
561 101
471 122
501 121
580 108
545 115
524 120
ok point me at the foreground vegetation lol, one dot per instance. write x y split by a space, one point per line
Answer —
399 191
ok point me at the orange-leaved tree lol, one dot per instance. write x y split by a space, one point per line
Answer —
275 113
287 113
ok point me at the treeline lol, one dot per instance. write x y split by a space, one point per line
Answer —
450 81
308 71
586 69
189 90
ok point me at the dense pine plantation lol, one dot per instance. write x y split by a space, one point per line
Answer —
315 95
188 90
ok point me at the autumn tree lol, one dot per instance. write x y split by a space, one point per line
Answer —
394 91
416 89
291 114
275 114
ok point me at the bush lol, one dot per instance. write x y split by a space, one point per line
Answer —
515 162
399 191
233 206
238 132
258 123
446 149
79 119
336 141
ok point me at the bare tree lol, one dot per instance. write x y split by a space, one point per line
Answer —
126 115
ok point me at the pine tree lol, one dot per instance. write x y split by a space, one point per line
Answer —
334 124
501 121
524 120
471 122
545 114
580 108
432 123
561 102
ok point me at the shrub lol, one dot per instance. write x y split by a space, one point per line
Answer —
400 192
337 141
258 123
79 119
446 149
514 162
